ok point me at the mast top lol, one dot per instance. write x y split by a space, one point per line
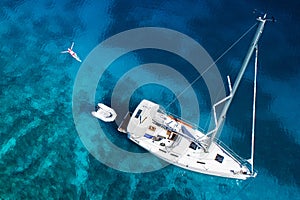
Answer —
264 18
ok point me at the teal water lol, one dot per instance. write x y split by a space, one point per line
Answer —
41 154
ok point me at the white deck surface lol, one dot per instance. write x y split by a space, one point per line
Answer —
157 134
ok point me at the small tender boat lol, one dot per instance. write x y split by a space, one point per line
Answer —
104 113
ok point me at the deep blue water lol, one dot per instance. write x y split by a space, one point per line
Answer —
41 154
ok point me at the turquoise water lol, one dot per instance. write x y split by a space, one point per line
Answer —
41 154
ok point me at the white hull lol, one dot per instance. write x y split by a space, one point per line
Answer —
164 136
200 162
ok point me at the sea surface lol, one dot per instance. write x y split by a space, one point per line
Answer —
42 154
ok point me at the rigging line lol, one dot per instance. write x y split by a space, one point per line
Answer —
192 83
254 111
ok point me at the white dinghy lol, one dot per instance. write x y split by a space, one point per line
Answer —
104 113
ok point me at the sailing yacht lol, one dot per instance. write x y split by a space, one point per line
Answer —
179 143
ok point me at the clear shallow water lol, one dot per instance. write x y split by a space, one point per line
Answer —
41 155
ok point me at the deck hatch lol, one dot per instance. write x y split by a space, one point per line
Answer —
219 158
193 146
138 113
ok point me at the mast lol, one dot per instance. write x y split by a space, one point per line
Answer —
228 99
